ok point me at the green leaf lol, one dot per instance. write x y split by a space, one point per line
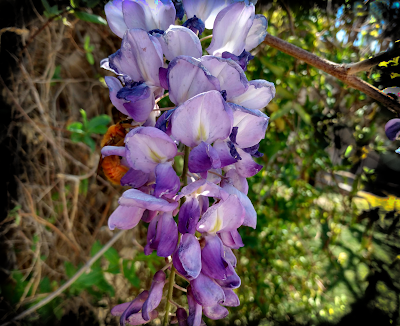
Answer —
84 117
90 58
284 93
283 111
90 17
90 142
302 113
74 3
94 250
99 121
87 42
129 272
76 127
76 138
112 256
91 3
70 270
348 151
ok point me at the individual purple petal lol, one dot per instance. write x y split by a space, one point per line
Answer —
196 25
148 15
164 122
137 319
155 295
206 292
195 309
162 74
113 150
224 154
119 309
257 96
179 40
134 178
250 218
213 175
139 101
182 317
231 239
235 179
392 129
246 167
140 57
187 77
125 217
212 258
242 60
203 158
130 308
189 215
187 258
147 147
114 85
205 117
227 215
136 198
231 28
251 125
232 281
203 187
152 240
168 236
229 256
167 182
231 299
204 201
230 75
148 216
206 10
215 312
257 32
115 19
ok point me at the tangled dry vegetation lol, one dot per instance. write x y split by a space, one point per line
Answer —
62 205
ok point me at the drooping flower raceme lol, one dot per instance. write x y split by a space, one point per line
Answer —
216 124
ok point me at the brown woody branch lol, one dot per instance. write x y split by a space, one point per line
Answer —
340 71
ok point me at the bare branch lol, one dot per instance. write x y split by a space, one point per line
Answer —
337 70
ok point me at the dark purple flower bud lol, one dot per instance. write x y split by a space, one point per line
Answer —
182 317
233 151
167 182
203 158
253 151
195 24
134 178
212 258
155 295
163 77
243 59
125 310
231 282
189 215
164 122
206 292
195 309
392 129
180 12
215 312
187 258
231 299
233 134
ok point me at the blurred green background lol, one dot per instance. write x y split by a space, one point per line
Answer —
326 249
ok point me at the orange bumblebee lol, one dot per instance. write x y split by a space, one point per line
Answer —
111 165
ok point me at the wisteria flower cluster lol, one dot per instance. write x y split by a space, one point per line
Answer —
216 124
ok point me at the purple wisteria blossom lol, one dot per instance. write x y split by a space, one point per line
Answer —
213 129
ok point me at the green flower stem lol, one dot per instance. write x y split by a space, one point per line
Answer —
171 280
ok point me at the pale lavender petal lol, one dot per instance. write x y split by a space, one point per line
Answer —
212 258
187 77
137 319
203 158
206 292
152 119
235 179
167 182
119 309
392 129
246 167
139 101
231 239
204 201
227 215
168 236
206 10
155 295
251 125
147 147
182 317
115 19
205 117
164 122
231 299
203 187
113 150
250 218
187 258
231 28
232 281
134 178
215 312
224 154
162 74
257 96
230 256
125 217
136 198
242 60
179 40
130 307
230 75
139 57
195 309
114 85
257 32
189 215
212 175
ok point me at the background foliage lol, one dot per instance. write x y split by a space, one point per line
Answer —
326 246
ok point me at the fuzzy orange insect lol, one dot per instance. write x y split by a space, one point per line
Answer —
111 165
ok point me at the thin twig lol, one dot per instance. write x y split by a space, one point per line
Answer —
70 281
206 38
176 286
337 70
160 98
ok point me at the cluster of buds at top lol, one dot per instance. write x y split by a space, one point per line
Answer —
218 124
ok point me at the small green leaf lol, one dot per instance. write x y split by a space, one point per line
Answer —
101 120
84 117
90 18
76 138
90 58
302 113
90 142
87 42
348 151
129 272
76 127
282 111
